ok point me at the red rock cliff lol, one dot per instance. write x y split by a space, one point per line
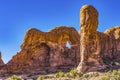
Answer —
46 51
1 61
96 47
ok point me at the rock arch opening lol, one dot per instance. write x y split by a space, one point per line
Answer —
68 45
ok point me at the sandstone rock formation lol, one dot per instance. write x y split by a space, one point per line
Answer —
1 61
110 45
95 47
89 40
46 51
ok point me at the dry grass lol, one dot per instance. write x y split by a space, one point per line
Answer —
75 75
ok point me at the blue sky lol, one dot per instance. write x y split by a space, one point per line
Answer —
16 16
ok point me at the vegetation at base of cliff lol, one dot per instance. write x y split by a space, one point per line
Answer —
40 78
75 75
14 77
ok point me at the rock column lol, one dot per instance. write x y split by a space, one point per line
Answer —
89 40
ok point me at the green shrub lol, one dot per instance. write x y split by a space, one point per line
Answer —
14 77
59 74
95 74
86 75
40 78
118 71
105 78
67 74
114 72
73 73
80 74
117 77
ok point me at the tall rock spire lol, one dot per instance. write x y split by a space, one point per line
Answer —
89 40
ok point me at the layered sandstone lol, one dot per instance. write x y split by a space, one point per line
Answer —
96 47
90 40
1 61
46 51
111 44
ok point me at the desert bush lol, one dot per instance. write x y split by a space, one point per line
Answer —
14 77
118 71
105 78
74 73
80 74
40 78
86 75
59 74
95 74
114 72
67 74
117 77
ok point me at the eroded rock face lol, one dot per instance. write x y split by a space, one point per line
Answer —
111 49
1 61
89 40
96 47
46 51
